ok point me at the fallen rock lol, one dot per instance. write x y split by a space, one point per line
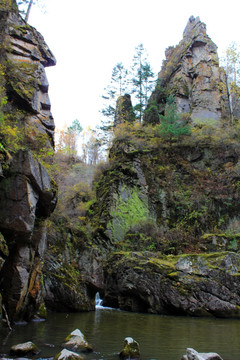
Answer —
77 341
192 354
67 355
27 348
130 349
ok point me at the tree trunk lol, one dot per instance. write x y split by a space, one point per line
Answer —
230 102
28 10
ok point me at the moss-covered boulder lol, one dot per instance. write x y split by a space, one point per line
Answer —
76 341
24 349
68 355
130 349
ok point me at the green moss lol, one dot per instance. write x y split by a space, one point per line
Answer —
166 263
3 246
22 78
130 208
42 311
174 275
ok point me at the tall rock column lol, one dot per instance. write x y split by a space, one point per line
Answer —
192 74
124 110
27 192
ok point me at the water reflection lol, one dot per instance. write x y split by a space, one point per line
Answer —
160 337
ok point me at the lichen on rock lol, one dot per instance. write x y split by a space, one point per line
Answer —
27 192
196 285
192 74
130 349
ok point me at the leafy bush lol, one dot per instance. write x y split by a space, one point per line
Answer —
147 236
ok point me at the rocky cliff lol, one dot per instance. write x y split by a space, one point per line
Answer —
27 192
162 235
167 207
191 72
159 200
160 232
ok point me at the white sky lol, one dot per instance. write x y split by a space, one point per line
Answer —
88 38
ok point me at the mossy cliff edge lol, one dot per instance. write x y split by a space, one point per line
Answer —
27 192
159 201
162 234
168 195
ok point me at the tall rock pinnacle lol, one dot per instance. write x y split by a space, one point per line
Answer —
192 74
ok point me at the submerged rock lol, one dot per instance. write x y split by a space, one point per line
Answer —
130 349
68 355
192 354
77 341
27 348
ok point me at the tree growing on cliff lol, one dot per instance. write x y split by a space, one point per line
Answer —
25 7
171 125
116 88
138 81
231 65
142 80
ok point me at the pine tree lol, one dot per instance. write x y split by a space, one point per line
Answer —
142 80
171 125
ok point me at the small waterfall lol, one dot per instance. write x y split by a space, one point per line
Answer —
98 301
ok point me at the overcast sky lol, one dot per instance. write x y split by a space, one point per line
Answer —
88 38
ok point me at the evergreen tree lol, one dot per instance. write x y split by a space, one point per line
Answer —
138 81
171 125
142 80
117 86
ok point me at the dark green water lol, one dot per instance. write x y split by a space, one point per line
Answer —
160 337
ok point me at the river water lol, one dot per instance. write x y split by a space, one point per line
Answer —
159 337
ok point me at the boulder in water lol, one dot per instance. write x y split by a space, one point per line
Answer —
130 349
67 355
27 348
76 341
192 354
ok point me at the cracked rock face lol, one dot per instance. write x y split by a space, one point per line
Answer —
191 72
196 285
28 55
27 193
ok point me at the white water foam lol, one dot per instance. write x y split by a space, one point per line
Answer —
98 301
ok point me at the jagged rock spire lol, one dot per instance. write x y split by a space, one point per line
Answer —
192 74
124 110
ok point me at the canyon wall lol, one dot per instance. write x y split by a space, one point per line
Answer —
27 192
